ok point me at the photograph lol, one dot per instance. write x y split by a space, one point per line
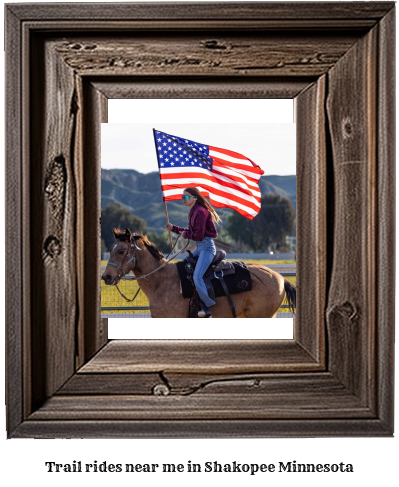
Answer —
142 189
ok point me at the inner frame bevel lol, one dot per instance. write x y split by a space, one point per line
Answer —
97 91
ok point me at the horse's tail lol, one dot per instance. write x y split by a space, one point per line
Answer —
290 294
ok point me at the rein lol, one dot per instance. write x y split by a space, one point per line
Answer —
163 265
123 296
133 258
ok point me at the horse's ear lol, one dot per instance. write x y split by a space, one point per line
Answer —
114 232
128 235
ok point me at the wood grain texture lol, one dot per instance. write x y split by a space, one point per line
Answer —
352 128
385 224
195 87
200 356
208 11
202 429
278 396
311 219
95 331
340 55
53 224
185 384
240 55
113 384
15 218
202 407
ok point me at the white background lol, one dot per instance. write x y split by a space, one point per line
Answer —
22 461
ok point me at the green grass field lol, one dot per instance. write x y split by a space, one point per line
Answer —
111 297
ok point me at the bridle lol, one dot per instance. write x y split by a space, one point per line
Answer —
134 246
130 257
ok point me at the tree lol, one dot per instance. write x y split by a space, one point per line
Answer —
161 241
239 228
115 215
275 221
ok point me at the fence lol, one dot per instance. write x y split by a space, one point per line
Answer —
113 305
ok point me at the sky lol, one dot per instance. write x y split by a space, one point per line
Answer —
262 130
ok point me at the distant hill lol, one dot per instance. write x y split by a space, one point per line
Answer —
141 193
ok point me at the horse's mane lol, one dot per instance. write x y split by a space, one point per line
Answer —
153 249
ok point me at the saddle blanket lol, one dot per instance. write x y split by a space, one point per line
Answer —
236 283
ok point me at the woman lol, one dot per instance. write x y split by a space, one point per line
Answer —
201 228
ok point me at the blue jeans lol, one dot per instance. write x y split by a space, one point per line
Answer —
205 251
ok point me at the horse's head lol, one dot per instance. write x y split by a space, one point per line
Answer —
122 258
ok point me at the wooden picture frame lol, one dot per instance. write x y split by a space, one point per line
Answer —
335 378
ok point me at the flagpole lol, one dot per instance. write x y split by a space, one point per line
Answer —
167 221
164 202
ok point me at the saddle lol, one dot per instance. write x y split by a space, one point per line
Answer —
218 268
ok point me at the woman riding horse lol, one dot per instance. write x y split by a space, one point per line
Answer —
201 228
159 279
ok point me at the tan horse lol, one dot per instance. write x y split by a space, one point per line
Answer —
162 288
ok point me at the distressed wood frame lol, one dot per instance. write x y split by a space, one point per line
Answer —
64 378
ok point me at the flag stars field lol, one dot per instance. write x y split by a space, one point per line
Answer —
228 178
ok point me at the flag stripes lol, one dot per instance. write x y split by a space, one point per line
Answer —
240 163
254 205
236 186
215 200
228 178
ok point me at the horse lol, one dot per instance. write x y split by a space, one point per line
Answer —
159 280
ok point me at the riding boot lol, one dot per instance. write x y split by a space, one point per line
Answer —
204 311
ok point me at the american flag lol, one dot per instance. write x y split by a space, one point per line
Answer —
229 179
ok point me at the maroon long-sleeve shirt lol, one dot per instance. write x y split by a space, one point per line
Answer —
200 224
